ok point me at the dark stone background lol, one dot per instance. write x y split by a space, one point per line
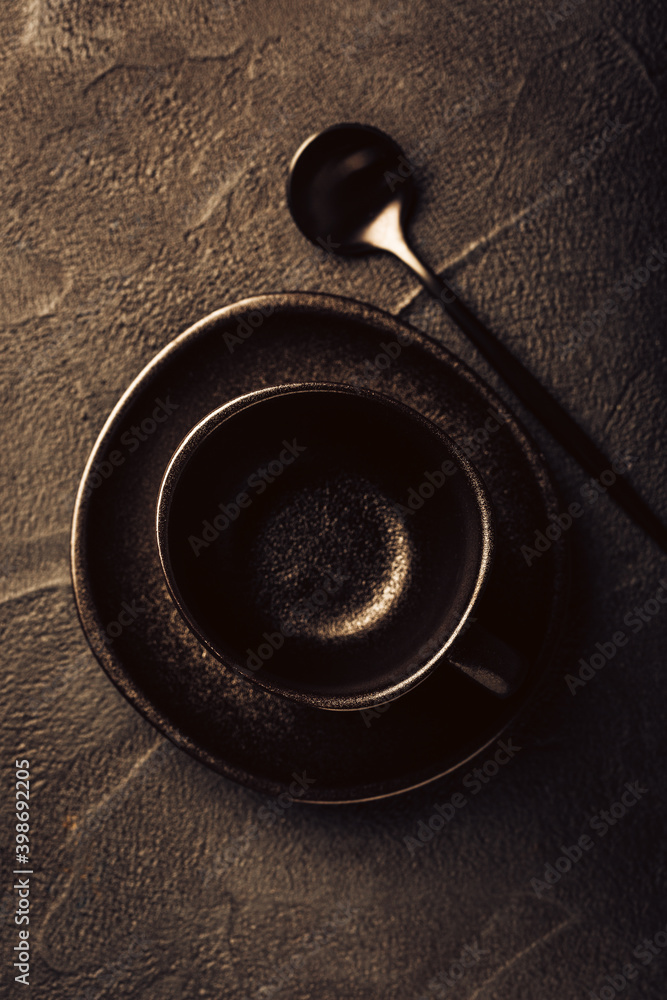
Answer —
143 158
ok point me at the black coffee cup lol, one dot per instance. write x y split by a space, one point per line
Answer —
331 544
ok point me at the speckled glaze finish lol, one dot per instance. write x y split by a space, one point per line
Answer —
253 736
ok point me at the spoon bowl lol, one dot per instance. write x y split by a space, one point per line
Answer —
340 183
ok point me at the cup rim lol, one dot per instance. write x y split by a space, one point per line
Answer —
172 477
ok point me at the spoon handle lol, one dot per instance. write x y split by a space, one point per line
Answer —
541 403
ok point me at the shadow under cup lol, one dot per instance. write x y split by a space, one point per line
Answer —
324 540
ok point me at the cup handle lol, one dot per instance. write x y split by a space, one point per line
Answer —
488 661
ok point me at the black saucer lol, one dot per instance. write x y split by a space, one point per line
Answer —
135 631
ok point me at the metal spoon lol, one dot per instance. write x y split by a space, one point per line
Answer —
350 190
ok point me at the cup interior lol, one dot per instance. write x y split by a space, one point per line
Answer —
324 540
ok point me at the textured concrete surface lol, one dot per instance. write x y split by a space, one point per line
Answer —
143 158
